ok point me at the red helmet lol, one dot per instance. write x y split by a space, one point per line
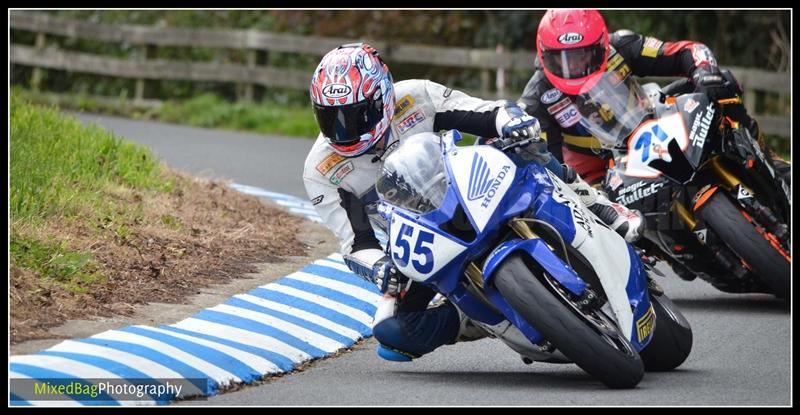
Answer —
572 46
353 98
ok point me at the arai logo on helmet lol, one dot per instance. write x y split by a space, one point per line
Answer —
570 38
336 90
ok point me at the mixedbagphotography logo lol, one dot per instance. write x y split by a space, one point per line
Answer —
106 390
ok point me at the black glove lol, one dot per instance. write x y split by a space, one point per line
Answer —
708 79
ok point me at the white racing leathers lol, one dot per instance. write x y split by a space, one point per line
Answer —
343 189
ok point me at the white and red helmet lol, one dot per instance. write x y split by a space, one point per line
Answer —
573 47
353 98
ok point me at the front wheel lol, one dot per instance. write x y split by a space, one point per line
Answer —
672 339
600 350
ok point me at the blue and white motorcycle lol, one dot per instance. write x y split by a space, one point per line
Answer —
516 251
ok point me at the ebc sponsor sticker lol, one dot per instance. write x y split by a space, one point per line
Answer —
568 117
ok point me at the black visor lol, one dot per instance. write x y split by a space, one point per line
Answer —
574 63
346 123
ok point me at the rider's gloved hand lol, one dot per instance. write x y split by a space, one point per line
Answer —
374 266
522 127
708 79
514 125
386 277
517 125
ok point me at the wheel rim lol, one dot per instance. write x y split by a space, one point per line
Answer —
597 319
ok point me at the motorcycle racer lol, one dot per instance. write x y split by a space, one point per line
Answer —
363 115
574 49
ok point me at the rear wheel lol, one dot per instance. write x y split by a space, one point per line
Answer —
593 342
759 249
672 340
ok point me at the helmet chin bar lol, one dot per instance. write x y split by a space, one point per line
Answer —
380 146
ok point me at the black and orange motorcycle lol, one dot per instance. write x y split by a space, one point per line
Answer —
715 207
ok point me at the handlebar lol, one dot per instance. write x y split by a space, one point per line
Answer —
681 86
505 144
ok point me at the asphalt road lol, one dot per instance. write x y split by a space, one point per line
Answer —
270 162
741 353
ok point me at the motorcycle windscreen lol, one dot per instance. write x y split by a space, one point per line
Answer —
613 107
413 177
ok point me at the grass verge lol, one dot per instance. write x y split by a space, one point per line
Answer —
97 225
207 110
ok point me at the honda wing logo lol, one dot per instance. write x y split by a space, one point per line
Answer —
480 178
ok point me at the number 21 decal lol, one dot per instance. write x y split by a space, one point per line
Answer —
420 248
645 139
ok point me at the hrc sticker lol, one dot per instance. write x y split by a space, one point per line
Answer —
341 172
415 118
568 117
403 105
550 96
651 46
328 162
644 326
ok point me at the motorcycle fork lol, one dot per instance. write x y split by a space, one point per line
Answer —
474 273
720 252
589 300
522 229
746 199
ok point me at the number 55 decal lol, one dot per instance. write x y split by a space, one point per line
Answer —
420 248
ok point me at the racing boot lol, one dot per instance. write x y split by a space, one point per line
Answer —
629 223
409 335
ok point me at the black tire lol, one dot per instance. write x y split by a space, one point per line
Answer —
672 340
783 169
575 337
727 221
